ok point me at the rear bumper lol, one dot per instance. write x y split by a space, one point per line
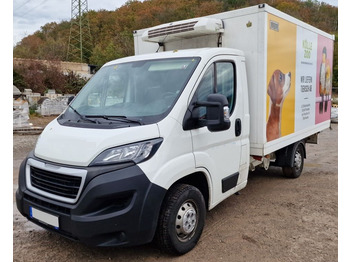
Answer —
118 206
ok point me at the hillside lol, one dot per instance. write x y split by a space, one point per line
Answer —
112 30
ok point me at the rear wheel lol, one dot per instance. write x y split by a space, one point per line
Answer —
298 162
181 220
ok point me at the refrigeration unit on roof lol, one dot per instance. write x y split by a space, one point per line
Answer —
183 29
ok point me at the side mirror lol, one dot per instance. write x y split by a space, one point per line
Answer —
217 117
70 99
218 113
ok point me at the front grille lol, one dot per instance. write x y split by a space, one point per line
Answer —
54 183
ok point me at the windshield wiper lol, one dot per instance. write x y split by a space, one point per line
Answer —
83 117
123 119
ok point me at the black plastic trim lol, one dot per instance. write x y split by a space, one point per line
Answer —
229 182
118 206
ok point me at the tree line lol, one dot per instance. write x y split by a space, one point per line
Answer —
112 31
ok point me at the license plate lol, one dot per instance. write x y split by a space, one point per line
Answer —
44 217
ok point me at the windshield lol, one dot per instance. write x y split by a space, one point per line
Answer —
143 90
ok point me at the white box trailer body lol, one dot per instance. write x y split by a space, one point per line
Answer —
271 40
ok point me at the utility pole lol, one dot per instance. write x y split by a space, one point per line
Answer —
80 42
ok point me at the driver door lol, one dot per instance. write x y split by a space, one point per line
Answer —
219 152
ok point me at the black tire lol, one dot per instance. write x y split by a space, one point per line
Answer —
181 220
298 163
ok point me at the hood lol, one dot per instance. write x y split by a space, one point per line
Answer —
79 146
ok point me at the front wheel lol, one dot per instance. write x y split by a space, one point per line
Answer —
181 220
298 163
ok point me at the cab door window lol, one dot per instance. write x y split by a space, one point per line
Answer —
225 83
219 78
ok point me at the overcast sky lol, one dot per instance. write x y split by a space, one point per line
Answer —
30 15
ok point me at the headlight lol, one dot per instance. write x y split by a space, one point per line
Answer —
136 152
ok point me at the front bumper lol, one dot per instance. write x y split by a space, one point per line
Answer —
118 206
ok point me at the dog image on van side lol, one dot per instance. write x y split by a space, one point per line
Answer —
278 89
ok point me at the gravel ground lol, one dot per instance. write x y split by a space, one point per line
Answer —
273 219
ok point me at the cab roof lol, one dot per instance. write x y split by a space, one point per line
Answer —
204 53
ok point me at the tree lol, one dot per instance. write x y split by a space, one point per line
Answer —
233 4
40 77
73 83
102 54
28 47
335 62
18 81
112 31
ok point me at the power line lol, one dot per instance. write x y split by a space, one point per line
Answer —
22 15
23 4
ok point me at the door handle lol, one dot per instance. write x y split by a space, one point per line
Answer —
238 127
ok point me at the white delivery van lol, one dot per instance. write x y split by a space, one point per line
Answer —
155 140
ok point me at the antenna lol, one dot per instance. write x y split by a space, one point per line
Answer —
80 41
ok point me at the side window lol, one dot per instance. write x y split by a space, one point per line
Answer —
225 81
219 78
205 88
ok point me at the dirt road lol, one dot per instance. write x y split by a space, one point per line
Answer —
273 219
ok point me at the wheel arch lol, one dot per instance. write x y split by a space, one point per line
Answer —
291 149
198 180
284 155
